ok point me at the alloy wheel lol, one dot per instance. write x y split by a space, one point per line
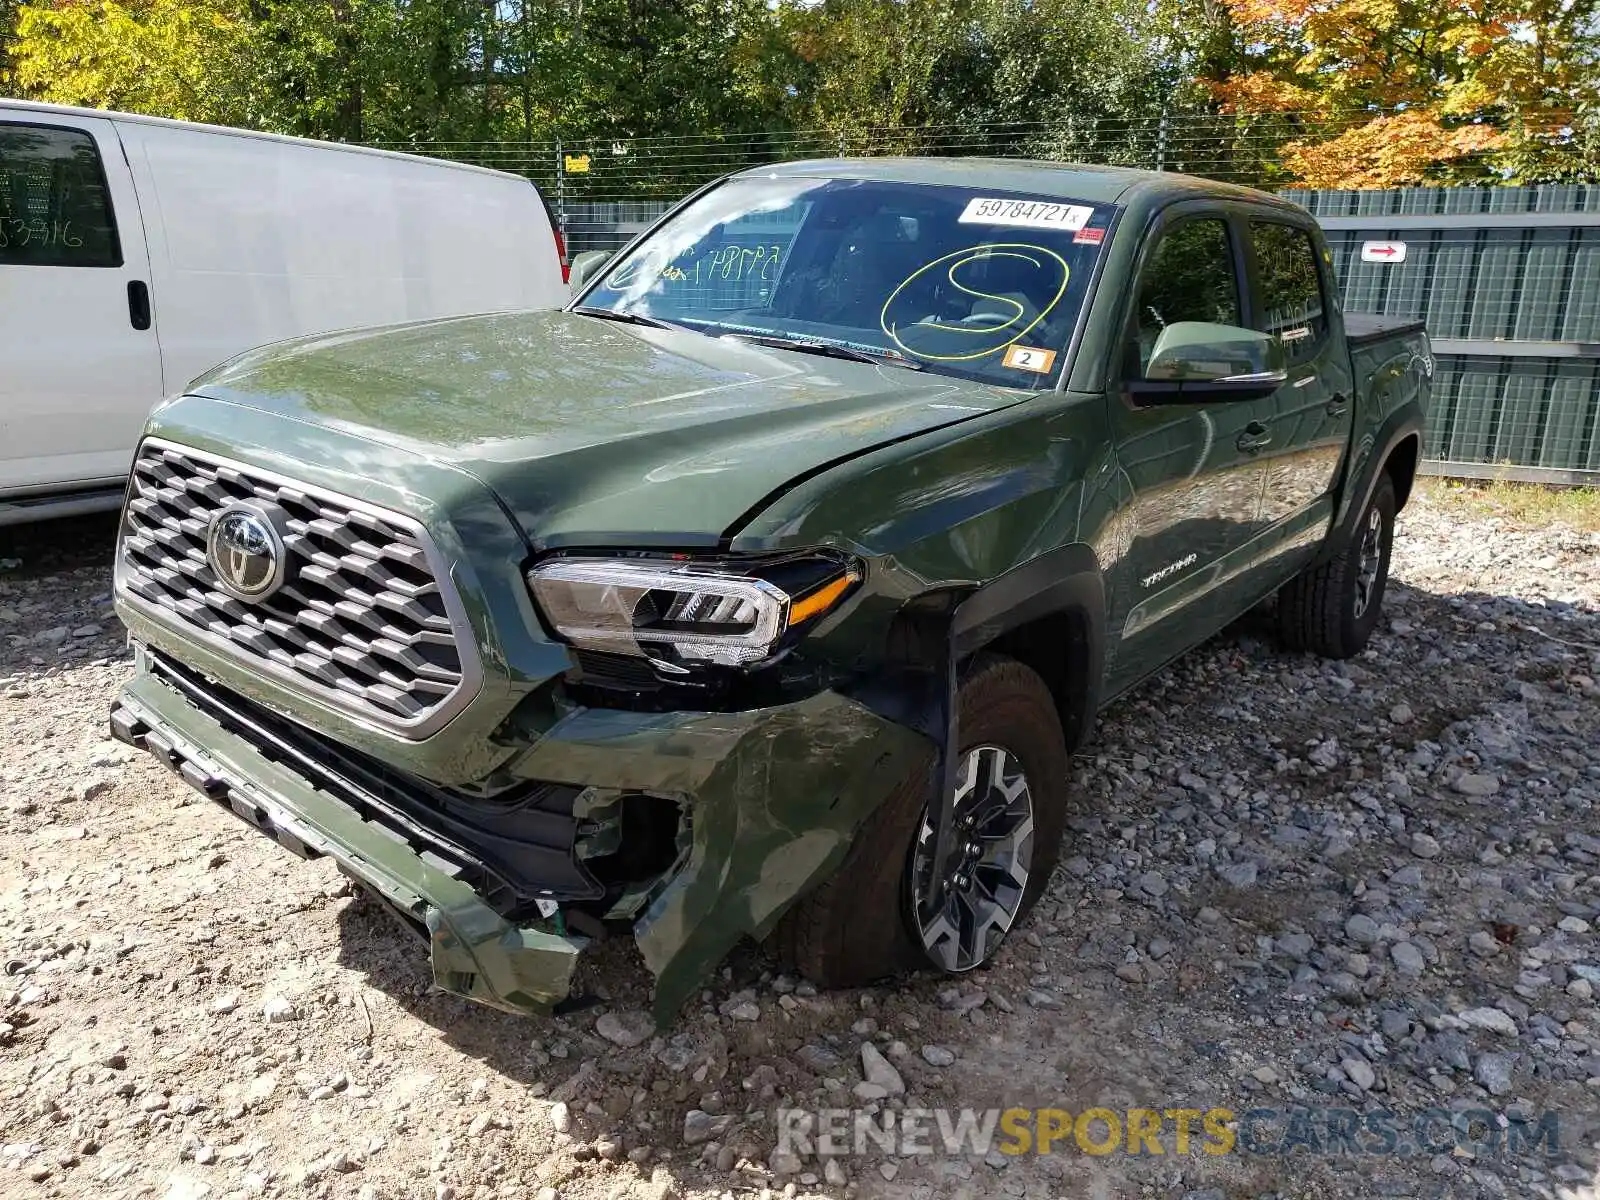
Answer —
1369 561
986 874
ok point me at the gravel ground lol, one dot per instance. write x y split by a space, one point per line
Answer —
1291 885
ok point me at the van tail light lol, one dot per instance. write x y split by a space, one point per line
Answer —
561 255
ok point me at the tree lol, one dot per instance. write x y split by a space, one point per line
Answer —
870 63
378 70
8 36
313 65
633 68
1388 92
1069 78
1347 93
383 70
173 58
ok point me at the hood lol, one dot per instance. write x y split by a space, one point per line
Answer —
594 432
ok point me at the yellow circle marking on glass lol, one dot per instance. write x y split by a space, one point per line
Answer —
962 257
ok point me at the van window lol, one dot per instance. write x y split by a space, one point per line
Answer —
1290 288
54 206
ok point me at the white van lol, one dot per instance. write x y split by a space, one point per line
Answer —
137 253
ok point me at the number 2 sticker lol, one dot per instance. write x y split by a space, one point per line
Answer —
1026 358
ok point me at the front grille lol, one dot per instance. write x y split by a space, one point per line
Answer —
361 621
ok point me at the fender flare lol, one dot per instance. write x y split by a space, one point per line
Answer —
1405 422
960 622
1067 579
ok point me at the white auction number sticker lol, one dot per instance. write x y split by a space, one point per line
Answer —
1027 214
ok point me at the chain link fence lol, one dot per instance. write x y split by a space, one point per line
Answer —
605 191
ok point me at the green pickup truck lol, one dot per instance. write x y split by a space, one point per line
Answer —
763 591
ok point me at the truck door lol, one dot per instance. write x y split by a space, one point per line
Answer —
1193 470
81 362
1311 419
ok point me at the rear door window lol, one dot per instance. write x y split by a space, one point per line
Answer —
1289 288
55 208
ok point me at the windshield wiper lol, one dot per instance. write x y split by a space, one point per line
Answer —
630 318
825 349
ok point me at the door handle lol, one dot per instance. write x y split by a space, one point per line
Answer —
1254 439
138 304
1338 406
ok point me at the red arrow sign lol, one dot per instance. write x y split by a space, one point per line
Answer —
1384 252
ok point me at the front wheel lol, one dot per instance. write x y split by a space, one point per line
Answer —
873 918
990 867
1332 609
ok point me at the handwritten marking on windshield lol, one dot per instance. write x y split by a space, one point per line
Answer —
728 263
996 328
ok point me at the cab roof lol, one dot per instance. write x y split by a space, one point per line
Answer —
1064 181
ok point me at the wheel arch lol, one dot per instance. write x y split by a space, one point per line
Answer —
1397 446
1050 615
1401 466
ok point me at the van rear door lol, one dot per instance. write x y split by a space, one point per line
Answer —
82 365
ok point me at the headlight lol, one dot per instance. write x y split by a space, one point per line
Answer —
677 613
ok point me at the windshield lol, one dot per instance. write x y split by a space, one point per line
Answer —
982 284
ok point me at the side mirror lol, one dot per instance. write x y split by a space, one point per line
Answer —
586 266
1195 362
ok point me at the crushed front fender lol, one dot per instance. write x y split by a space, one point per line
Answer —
774 797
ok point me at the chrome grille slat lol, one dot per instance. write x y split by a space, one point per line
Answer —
362 622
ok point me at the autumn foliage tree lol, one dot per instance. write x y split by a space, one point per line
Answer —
1383 93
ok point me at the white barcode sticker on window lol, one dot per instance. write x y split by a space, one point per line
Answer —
1027 214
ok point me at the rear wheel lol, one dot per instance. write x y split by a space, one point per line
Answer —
873 919
1332 609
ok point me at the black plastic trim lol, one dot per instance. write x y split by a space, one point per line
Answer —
1360 329
514 848
1068 579
1405 423
1065 580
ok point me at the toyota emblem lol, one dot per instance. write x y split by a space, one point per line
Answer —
246 552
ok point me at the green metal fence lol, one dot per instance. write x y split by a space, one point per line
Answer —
1508 281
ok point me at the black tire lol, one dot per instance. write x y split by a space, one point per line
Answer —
857 927
1326 609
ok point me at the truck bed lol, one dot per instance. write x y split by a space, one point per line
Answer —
1364 328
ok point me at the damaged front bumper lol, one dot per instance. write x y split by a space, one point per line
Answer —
772 798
